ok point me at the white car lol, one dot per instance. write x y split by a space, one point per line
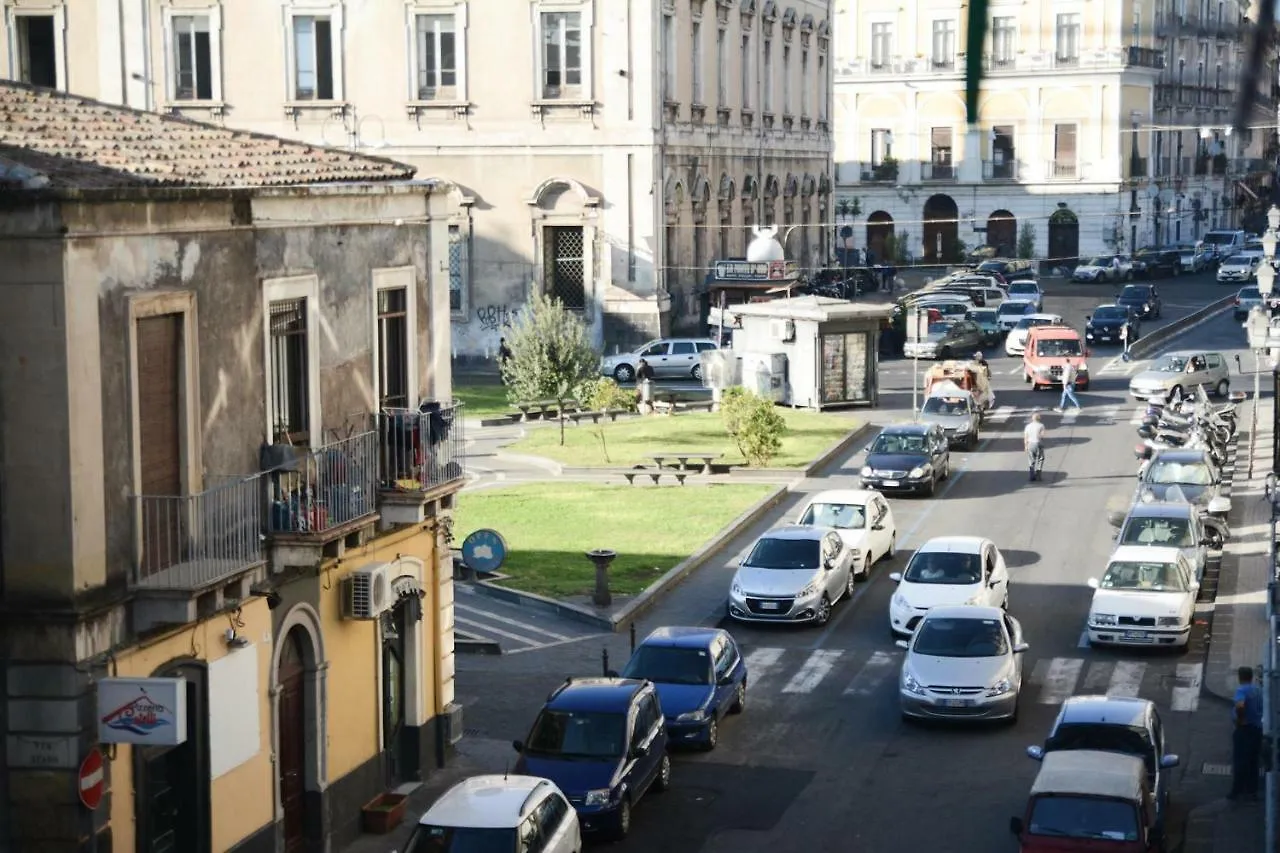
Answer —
945 571
863 519
1015 343
497 812
1146 598
1026 291
792 574
963 663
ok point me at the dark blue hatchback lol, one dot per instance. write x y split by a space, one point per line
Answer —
700 676
603 741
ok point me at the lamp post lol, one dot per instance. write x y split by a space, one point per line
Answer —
1258 326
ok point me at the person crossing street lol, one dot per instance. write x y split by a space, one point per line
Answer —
1069 373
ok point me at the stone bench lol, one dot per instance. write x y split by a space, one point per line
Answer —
655 475
670 407
544 408
578 417
683 457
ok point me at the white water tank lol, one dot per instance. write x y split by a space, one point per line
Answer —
764 246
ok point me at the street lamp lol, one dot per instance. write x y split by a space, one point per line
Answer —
1258 325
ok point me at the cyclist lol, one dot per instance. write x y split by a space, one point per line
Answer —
1033 443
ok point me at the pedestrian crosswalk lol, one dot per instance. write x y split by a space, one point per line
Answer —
790 673
1091 415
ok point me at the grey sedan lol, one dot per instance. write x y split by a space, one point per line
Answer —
1171 525
945 339
1184 370
670 358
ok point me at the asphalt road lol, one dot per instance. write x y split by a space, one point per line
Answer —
821 761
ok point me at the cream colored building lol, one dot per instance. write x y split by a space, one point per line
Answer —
606 152
1076 131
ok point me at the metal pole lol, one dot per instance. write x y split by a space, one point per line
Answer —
915 384
633 638
1257 390
720 331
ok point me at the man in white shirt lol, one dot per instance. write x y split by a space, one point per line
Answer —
1033 443
1069 374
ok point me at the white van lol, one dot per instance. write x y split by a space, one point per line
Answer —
1225 243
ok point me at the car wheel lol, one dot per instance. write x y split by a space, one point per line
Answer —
823 614
893 547
1176 391
866 567
624 818
713 735
1084 387
1013 718
663 781
739 699
1223 389
973 441
1026 377
1177 271
624 373
932 487
697 373
946 468
1004 605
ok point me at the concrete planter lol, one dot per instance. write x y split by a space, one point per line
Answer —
383 813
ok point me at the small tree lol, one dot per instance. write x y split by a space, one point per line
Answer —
602 394
754 424
1027 241
551 354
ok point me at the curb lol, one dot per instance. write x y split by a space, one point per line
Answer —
842 446
548 465
1143 346
471 646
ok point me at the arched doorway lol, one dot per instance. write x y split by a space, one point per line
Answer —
1064 236
941 230
171 783
292 766
879 235
1002 233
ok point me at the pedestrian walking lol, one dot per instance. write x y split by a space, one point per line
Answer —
1246 739
504 351
1124 342
1069 374
1033 444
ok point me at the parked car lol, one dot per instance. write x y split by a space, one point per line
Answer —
988 320
670 358
1194 259
947 571
1026 291
604 742
1112 324
1242 266
908 457
792 574
956 411
1155 262
1103 268
1009 313
1146 597
1144 299
863 519
1178 475
945 339
1016 342
1246 299
1010 268
700 676
494 812
1172 525
1183 370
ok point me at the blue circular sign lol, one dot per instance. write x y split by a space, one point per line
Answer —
484 550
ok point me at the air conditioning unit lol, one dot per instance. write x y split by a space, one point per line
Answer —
366 592
782 330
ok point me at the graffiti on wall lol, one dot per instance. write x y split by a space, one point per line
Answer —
495 317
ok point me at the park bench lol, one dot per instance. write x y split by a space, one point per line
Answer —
578 417
654 474
683 457
543 408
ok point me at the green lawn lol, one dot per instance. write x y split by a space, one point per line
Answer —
483 401
632 440
549 526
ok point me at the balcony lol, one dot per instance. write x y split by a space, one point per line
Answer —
1062 170
1249 166
937 172
420 451
1087 60
322 493
885 172
1144 57
1000 170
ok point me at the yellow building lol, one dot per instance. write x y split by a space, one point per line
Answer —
225 473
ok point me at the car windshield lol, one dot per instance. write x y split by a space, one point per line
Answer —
1250 293
1135 291
1148 577
1024 287
1100 262
1215 239
899 443
668 665
839 516
1114 313
945 406
1104 737
960 638
1058 347
986 315
1028 322
450 839
1013 308
775 553
1169 473
577 734
1071 816
944 567
1172 364
1160 532
939 328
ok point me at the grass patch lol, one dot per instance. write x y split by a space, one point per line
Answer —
631 441
483 401
549 526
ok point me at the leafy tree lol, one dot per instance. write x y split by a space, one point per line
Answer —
551 354
602 394
754 424
1027 241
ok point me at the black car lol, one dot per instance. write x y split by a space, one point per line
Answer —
1157 262
907 457
1106 322
1144 299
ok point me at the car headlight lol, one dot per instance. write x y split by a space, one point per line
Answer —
1000 688
900 602
598 797
866 471
697 716
920 471
910 684
736 589
1146 307
963 429
809 589
1041 369
1103 619
1169 621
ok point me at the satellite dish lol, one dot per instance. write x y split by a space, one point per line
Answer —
764 246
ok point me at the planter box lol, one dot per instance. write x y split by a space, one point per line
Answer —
383 813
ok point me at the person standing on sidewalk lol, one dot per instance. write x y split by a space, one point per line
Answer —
1246 739
1069 374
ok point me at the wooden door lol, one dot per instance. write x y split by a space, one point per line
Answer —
293 743
159 354
393 692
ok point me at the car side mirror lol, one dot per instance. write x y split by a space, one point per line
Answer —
518 745
725 680
896 577
993 581
877 526
1015 825
640 752
1194 586
828 564
1169 761
1219 506
902 644
1035 753
1019 648
1088 318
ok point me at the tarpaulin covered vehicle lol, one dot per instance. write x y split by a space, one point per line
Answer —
969 375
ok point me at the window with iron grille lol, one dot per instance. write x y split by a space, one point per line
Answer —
564 272
393 348
459 260
289 372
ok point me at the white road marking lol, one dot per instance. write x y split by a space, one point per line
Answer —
1126 679
523 626
1060 680
1015 371
1109 414
1133 366
762 662
489 629
1070 415
1139 414
1113 363
1186 688
1097 676
1000 415
873 673
816 667
1083 642
1039 672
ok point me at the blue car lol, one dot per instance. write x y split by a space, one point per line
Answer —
603 741
700 676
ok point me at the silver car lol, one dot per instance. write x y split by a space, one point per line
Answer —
956 412
1173 525
1185 370
963 662
792 574
1242 266
670 358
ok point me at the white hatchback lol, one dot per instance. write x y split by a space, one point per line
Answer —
863 519
1015 344
1146 598
495 812
948 570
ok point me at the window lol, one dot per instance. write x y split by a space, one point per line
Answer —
313 51
804 83
940 151
290 367
696 54
1002 156
550 814
37 49
786 78
881 146
437 57
561 54
459 267
881 44
192 58
746 72
767 82
1135 37
1064 150
564 271
822 87
668 57
944 43
1067 38
1004 40
722 82
393 348
682 348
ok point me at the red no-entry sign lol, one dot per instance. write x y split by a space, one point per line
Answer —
92 776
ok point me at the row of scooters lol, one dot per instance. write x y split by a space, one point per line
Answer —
1187 422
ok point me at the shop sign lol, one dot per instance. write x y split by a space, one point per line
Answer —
151 711
756 271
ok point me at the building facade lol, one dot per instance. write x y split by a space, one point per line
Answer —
1077 135
223 471
642 140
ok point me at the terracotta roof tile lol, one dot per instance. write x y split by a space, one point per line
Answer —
80 143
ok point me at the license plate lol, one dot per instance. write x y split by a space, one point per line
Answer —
1136 635
770 605
957 703
890 483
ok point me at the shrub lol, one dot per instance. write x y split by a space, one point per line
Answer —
1027 241
754 425
602 394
